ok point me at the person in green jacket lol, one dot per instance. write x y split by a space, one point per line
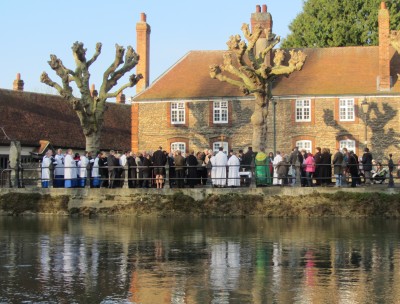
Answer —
263 175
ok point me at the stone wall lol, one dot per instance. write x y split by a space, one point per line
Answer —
265 202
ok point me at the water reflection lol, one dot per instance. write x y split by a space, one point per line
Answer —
125 260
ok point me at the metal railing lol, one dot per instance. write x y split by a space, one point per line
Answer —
143 176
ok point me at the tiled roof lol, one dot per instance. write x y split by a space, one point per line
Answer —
327 71
31 117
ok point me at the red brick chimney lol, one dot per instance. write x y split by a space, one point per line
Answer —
120 98
143 49
18 84
264 19
93 91
384 54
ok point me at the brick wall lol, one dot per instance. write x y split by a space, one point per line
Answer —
325 129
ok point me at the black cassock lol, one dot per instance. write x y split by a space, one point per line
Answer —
191 161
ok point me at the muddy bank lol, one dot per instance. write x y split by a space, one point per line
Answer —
268 202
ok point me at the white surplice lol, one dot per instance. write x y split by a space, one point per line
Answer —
45 168
69 167
277 159
82 164
220 168
233 175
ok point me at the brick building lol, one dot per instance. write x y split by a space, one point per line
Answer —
39 120
321 105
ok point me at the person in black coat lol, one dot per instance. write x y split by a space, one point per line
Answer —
103 170
132 176
191 162
367 166
318 166
325 171
146 170
247 159
353 169
159 160
113 164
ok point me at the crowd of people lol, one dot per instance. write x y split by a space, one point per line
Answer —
319 169
233 169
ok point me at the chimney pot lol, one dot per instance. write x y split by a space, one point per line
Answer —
93 91
143 17
264 8
18 84
121 98
258 9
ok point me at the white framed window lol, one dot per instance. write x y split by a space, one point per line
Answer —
303 110
177 113
220 113
346 109
304 145
181 146
349 144
218 144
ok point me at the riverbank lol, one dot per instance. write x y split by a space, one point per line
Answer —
374 201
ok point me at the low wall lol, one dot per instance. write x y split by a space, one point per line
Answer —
269 202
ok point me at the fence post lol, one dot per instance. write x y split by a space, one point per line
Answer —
126 179
391 167
39 180
51 177
14 162
88 175
166 182
253 174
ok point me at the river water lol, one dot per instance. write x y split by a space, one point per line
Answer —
186 260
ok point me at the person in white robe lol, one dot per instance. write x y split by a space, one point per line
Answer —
220 168
213 169
96 172
233 175
277 159
69 169
59 170
46 162
82 167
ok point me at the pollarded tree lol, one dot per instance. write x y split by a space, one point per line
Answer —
395 40
251 72
333 23
90 109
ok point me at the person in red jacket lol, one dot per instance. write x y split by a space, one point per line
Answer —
309 168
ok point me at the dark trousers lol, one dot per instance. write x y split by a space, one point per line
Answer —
355 179
111 178
146 179
179 177
309 178
132 178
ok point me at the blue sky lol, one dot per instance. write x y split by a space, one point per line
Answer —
32 30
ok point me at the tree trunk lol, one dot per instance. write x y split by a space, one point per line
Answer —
93 142
259 121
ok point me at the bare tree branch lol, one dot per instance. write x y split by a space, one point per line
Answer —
133 80
119 54
131 60
95 55
296 62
